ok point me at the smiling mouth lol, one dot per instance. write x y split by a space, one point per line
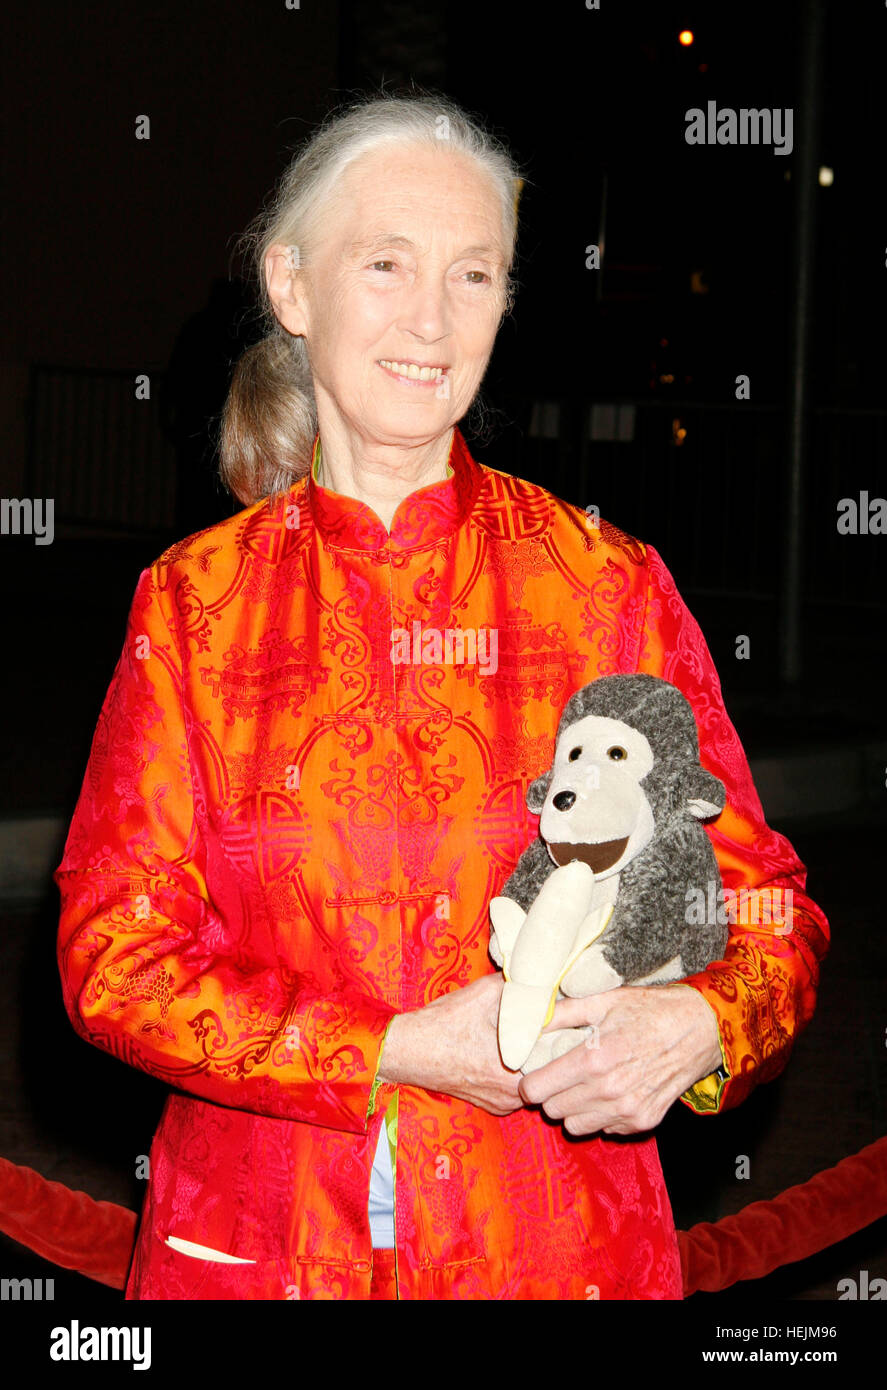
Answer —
597 857
413 372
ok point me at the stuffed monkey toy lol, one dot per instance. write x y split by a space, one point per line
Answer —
600 899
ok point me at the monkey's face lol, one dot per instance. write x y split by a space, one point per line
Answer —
595 808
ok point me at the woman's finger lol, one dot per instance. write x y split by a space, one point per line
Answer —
575 1013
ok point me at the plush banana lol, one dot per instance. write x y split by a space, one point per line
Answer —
537 949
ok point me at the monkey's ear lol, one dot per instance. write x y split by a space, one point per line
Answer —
537 792
705 794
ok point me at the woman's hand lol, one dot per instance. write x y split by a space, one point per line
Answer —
648 1045
452 1046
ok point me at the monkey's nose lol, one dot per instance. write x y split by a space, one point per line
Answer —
563 801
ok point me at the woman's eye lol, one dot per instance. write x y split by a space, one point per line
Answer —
482 273
378 263
616 754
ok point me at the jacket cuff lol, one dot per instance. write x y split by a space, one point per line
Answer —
332 1080
387 1088
708 1095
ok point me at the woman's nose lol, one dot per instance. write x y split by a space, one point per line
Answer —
563 801
425 314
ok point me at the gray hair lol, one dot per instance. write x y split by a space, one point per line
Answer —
270 416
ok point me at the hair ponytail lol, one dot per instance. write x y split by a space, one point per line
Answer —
269 420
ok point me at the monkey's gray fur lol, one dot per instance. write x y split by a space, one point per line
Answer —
649 925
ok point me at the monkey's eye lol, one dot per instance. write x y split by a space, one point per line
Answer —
616 754
575 753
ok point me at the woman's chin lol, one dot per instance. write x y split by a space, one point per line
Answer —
405 426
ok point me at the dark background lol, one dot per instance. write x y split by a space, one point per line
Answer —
119 256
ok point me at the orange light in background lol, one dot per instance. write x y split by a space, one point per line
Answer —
685 37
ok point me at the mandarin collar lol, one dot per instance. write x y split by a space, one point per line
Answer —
423 518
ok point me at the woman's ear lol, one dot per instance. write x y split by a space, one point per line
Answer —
285 280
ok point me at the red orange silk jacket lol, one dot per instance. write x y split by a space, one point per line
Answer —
284 838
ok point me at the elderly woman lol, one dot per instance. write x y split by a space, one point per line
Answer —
276 884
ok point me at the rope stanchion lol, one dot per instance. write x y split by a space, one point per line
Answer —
799 1222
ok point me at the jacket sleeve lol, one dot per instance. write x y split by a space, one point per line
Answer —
763 992
151 970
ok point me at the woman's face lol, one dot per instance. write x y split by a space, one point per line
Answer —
409 268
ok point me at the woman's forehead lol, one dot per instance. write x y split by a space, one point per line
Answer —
397 195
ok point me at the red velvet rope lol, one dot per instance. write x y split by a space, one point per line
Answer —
65 1227
96 1238
799 1222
